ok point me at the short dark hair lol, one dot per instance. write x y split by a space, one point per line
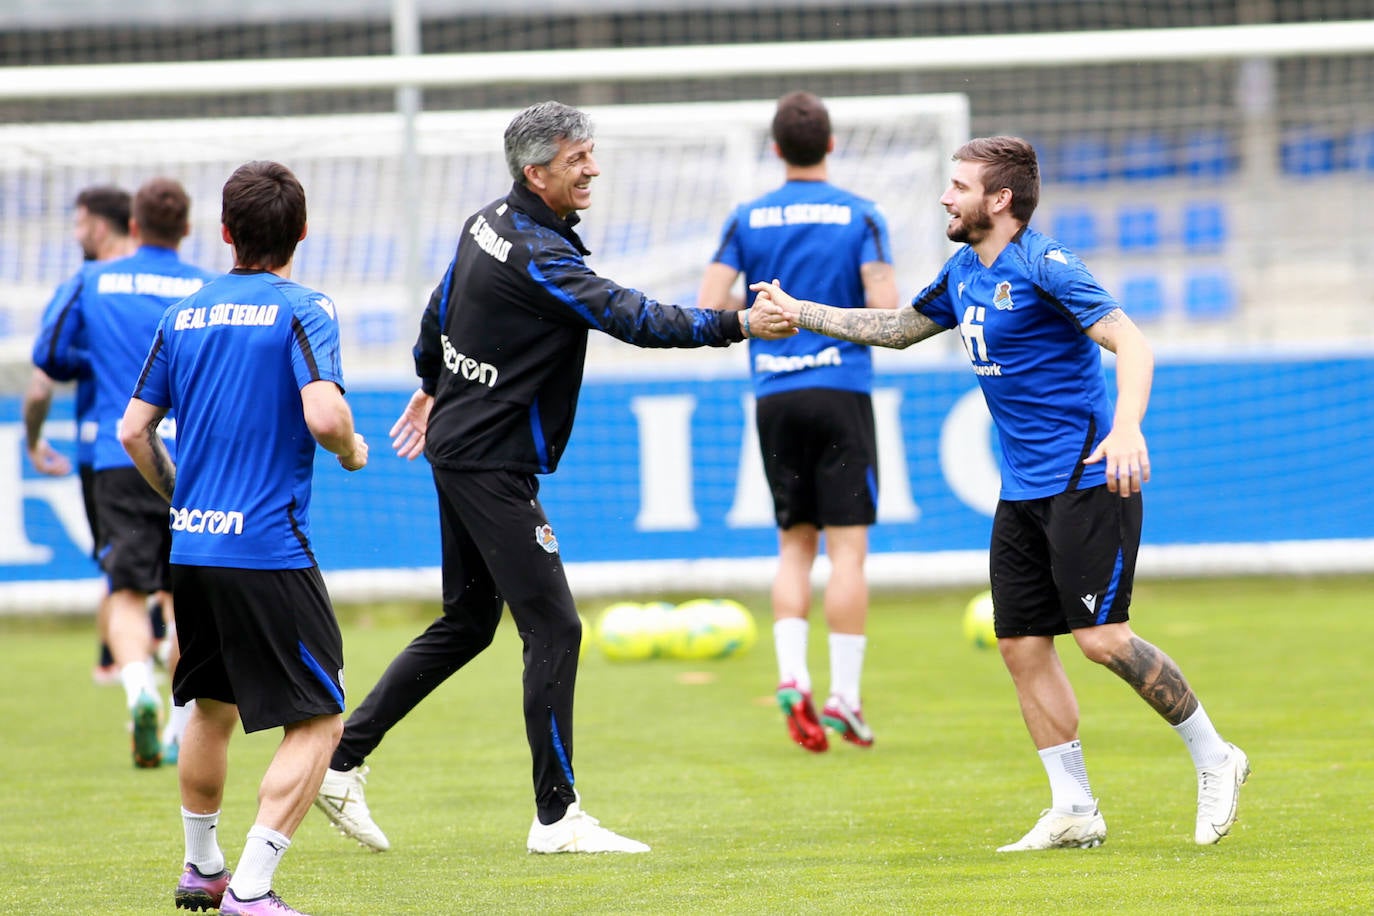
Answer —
108 202
801 128
263 207
1008 162
162 209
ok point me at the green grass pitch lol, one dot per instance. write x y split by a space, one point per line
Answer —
740 820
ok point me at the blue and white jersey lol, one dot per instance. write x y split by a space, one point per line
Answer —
813 237
76 368
1022 322
231 361
108 327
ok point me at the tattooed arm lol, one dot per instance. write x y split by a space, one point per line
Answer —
138 435
1128 461
896 329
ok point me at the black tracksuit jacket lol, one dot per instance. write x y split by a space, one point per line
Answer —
504 338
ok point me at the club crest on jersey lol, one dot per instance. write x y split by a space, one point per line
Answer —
1001 297
543 536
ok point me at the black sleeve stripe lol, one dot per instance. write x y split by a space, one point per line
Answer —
1060 308
725 240
877 238
148 363
932 294
303 342
62 319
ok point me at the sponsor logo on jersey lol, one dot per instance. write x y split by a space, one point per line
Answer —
1001 297
466 367
149 285
800 215
765 363
543 536
206 521
488 240
1056 254
226 313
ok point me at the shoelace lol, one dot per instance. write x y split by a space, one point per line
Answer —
1209 786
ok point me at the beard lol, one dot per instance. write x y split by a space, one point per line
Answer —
971 227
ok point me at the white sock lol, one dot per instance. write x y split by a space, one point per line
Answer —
137 678
846 666
1202 739
258 864
176 722
202 842
1069 789
789 639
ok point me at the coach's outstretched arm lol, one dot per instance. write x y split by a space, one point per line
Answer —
877 327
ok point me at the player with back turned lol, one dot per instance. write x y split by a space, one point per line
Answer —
251 364
1067 525
814 410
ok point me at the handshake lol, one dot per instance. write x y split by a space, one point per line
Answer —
774 315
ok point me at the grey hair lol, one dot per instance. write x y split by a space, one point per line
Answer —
532 137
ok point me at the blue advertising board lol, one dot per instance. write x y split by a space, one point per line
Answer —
1244 451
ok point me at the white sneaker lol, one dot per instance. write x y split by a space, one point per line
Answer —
341 799
1218 790
1056 829
578 831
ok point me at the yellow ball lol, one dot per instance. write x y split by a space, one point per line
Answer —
710 628
623 634
978 624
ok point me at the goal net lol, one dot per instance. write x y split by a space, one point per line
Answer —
384 225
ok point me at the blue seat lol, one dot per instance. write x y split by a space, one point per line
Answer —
1142 296
1205 229
1209 295
439 249
376 327
373 255
1076 229
1360 151
1083 160
1138 229
1308 151
315 256
1145 157
1209 154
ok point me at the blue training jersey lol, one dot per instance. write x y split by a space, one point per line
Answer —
109 325
813 237
231 361
77 368
1022 323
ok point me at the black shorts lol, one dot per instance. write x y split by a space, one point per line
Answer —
266 640
1063 562
820 456
135 537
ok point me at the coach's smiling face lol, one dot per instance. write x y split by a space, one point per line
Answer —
565 183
